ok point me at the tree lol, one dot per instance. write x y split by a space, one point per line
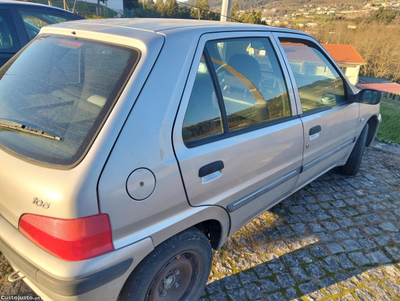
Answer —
184 12
129 6
195 12
202 10
148 5
374 42
160 7
171 9
252 17
146 9
235 11
382 15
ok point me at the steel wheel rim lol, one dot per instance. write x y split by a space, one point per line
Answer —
172 281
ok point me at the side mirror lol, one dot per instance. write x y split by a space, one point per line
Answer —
368 96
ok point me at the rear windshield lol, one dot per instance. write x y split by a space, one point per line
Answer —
64 87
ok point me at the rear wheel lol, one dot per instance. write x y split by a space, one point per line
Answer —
353 164
177 269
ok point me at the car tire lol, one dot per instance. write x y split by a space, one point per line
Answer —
353 164
177 269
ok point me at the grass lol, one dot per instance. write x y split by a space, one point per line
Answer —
389 130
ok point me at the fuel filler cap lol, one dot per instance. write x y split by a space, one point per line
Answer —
141 184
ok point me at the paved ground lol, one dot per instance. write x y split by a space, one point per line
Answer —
336 239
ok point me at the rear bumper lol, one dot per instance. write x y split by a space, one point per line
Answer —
102 277
62 287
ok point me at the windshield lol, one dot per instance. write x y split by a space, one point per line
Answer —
64 87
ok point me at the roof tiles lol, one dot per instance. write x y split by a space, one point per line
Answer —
344 53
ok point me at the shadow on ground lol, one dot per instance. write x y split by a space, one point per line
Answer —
338 238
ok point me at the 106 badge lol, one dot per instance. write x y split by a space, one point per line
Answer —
38 202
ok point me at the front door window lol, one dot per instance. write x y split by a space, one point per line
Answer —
318 83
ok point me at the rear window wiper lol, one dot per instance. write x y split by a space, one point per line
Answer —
5 124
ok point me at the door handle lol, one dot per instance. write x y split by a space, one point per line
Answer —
314 130
210 168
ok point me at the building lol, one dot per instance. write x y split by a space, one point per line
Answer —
116 5
348 59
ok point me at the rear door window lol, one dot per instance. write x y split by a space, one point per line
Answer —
8 36
64 87
239 85
252 84
203 116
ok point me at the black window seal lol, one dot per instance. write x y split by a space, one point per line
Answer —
217 88
251 128
327 108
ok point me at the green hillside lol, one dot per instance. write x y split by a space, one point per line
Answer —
289 5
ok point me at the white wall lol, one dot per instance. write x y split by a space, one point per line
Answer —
113 4
352 72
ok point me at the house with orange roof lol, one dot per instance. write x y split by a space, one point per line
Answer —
348 59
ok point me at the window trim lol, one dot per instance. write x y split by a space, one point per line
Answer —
217 89
226 132
252 128
305 39
323 109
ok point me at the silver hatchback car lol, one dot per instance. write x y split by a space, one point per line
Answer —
131 148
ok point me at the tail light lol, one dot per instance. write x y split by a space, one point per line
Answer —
69 239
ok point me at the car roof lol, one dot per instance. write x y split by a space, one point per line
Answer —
34 5
162 25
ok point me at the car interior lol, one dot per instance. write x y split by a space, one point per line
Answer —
6 38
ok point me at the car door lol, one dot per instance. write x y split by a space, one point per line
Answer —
329 116
9 42
237 136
